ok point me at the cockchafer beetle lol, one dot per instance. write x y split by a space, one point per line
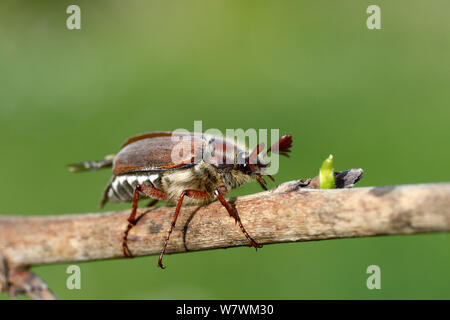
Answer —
145 168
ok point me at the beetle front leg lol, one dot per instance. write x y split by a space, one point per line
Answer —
232 212
150 191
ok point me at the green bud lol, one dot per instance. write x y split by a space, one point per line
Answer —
326 174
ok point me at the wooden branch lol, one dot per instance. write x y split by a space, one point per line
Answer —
284 214
291 212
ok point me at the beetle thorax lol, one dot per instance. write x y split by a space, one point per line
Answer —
202 177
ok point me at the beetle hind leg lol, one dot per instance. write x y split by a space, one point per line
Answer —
150 191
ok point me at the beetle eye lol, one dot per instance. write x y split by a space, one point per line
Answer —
244 167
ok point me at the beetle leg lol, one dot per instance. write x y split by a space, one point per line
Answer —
150 191
261 181
233 213
191 194
131 223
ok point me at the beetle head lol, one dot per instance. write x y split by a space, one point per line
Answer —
254 163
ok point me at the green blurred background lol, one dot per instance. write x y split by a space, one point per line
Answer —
376 99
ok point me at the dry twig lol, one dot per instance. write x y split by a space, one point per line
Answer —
293 211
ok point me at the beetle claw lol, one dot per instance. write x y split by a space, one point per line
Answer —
126 251
161 265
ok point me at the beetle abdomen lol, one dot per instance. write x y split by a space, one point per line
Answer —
121 188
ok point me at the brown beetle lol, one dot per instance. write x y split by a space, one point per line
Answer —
145 168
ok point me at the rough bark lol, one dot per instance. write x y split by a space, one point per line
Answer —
293 211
